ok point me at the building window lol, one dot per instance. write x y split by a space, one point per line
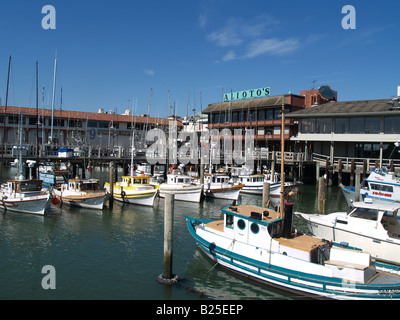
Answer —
243 116
307 125
270 114
372 125
357 125
324 125
391 125
342 125
235 116
261 115
92 124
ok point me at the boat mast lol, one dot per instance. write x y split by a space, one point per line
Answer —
281 209
54 94
4 119
20 176
37 117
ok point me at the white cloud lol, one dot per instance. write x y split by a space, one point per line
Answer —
272 46
149 72
249 38
229 56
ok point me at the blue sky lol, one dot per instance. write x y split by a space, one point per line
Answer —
112 53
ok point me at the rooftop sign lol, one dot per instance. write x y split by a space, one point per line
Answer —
247 94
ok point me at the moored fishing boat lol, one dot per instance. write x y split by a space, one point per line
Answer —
259 243
381 186
84 193
182 186
24 195
219 186
134 189
367 225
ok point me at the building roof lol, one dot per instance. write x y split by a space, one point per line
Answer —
350 108
249 103
87 115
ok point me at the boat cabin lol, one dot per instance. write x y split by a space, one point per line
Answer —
366 215
24 186
131 180
252 178
81 185
179 179
216 178
262 227
382 184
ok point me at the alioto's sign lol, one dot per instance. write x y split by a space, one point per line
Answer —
247 94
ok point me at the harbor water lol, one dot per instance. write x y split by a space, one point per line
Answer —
118 253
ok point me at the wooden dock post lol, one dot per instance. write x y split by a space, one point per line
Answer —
357 195
321 195
111 178
352 168
340 172
167 277
317 165
364 173
266 198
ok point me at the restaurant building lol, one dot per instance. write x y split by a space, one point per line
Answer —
355 129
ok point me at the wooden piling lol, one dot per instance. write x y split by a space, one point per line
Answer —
266 197
340 172
321 195
167 277
357 194
364 173
352 168
111 178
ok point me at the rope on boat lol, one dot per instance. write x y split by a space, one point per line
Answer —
233 240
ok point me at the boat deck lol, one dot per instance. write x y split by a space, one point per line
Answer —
301 242
246 210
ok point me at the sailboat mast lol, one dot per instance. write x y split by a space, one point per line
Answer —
4 119
281 210
54 95
37 115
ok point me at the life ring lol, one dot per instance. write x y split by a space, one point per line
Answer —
123 194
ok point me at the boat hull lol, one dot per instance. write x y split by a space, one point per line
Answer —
83 201
381 249
190 194
144 198
228 193
274 269
33 205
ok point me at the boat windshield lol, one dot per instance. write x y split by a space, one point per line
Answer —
364 213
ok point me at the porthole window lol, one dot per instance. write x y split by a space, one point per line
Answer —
241 224
254 228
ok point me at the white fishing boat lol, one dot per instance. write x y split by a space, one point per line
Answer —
21 194
259 243
84 193
381 186
182 186
134 189
24 195
367 225
219 186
